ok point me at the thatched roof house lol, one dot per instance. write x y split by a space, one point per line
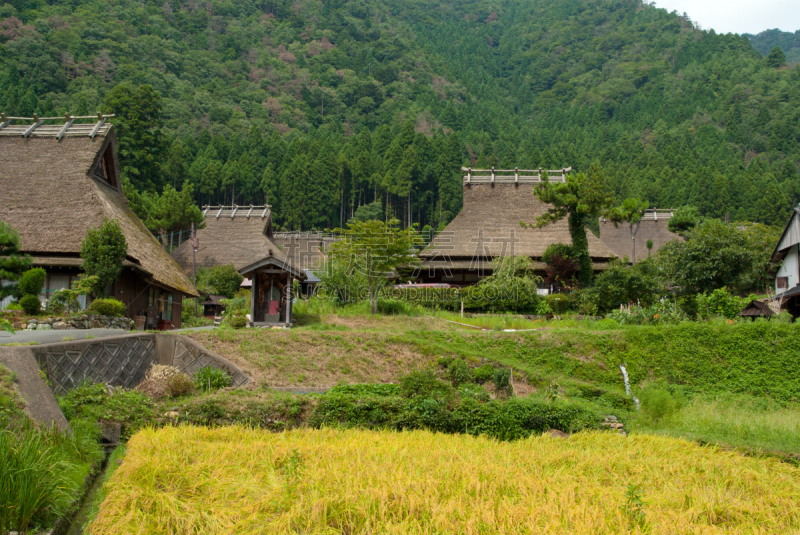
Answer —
488 226
653 226
243 236
232 235
57 182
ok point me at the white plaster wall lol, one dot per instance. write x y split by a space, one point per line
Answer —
789 268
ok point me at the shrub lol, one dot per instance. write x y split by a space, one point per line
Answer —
236 321
32 281
559 303
473 391
425 384
501 379
719 303
108 307
660 403
30 304
179 385
13 306
459 372
482 374
208 378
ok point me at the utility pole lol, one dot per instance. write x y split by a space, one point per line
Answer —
195 244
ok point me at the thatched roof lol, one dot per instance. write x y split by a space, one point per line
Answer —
618 238
756 308
233 235
306 249
215 300
489 226
52 194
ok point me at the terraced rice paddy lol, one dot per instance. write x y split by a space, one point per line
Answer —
181 480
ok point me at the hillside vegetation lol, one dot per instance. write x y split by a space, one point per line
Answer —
240 480
788 42
321 107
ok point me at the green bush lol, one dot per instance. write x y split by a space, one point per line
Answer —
179 385
473 391
425 384
208 378
14 305
505 420
660 403
482 374
235 321
558 303
32 281
107 307
501 379
30 304
459 372
720 303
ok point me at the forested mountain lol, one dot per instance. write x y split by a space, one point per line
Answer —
789 42
321 107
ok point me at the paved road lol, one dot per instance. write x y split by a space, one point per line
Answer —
51 337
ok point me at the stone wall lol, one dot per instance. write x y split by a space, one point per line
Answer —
124 360
117 360
85 321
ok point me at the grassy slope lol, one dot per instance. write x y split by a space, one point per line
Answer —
239 480
741 380
750 358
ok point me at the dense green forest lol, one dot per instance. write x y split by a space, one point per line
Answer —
321 107
788 42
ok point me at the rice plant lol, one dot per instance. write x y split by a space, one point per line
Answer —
35 487
245 481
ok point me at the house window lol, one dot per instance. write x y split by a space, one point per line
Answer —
167 307
783 283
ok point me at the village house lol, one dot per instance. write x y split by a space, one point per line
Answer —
243 236
60 180
787 278
652 227
488 227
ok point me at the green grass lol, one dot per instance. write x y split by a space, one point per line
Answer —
738 421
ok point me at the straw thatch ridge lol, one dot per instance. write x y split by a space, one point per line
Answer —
618 239
233 238
489 226
52 197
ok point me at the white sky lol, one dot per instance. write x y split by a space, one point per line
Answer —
739 16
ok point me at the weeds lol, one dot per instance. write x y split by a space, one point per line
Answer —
634 506
208 378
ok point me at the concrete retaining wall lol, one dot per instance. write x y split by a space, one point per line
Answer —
117 360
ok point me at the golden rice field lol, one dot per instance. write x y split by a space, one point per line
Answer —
182 480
